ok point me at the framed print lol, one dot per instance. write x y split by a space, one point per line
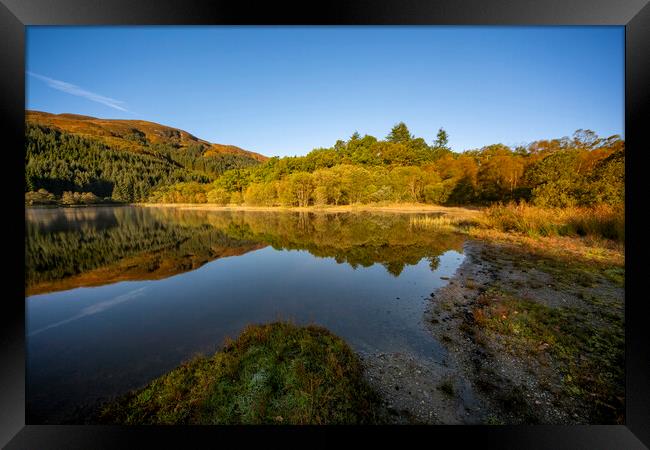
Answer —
386 219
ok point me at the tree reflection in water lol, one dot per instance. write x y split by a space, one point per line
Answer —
68 248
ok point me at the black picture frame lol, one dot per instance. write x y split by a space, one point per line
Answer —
16 14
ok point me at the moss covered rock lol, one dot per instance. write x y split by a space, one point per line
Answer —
271 374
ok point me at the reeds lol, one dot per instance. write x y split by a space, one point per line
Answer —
602 221
442 222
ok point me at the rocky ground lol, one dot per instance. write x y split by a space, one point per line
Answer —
535 362
421 392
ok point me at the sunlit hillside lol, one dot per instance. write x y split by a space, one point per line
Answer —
132 135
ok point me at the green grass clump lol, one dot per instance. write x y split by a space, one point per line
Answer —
616 274
271 374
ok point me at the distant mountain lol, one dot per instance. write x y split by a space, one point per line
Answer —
132 135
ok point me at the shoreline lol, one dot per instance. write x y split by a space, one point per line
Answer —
511 373
504 363
394 208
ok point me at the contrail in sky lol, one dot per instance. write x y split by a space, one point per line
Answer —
72 89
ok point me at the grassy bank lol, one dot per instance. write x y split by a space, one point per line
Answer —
593 235
600 222
271 374
603 221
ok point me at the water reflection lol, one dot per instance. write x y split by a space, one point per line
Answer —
119 296
67 248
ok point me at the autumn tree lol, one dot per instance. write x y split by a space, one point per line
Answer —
40 197
328 187
606 183
302 186
68 198
218 196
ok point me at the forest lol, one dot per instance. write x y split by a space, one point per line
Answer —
581 170
68 168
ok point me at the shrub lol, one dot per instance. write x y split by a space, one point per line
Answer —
89 198
40 197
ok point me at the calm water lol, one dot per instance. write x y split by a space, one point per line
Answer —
118 296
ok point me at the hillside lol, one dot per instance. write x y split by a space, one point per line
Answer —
117 160
132 135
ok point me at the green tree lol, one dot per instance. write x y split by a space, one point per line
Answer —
555 180
409 183
441 145
399 134
606 184
302 187
442 139
327 187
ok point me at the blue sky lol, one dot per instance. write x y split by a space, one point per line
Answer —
286 90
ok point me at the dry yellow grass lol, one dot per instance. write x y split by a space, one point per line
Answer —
586 249
449 220
599 222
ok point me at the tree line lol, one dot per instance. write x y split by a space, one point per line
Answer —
584 169
581 170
